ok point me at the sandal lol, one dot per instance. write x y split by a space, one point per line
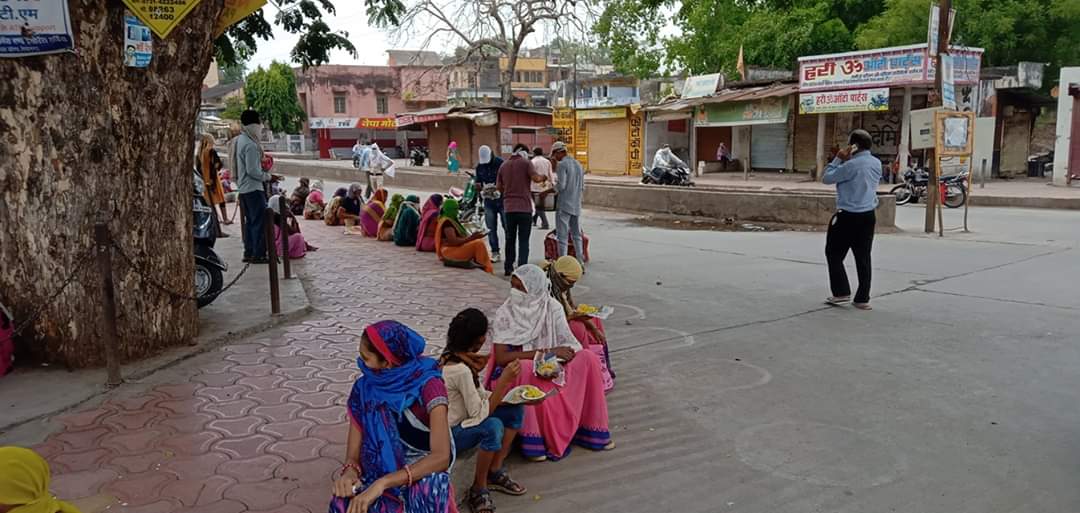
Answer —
610 446
500 481
480 502
837 300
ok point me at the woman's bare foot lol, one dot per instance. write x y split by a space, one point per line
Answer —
862 306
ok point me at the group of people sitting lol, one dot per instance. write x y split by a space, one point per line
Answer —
412 415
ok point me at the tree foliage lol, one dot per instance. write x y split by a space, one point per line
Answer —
272 92
234 106
233 73
774 33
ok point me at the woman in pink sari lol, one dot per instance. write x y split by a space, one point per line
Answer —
531 321
429 218
298 246
563 273
371 214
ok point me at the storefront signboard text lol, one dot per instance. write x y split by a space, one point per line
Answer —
34 27
162 16
635 143
738 113
886 67
562 120
856 100
377 123
611 113
702 85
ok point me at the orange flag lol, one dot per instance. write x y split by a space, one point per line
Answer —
740 65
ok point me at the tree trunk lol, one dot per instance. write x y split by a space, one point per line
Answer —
86 139
508 81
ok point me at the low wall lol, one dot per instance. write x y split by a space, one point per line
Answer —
809 208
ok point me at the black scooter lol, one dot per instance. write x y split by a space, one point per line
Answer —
209 267
418 155
667 176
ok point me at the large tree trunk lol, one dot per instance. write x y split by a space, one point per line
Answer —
85 137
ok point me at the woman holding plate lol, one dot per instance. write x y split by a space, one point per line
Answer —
563 273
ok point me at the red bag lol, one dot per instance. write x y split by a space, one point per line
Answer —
551 246
7 344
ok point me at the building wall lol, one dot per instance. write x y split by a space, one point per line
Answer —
461 130
360 85
1065 136
1015 141
438 139
423 84
675 133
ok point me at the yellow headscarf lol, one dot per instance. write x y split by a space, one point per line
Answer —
26 483
569 267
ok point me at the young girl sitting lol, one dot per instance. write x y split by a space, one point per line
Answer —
476 416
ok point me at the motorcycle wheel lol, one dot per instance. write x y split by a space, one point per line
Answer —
902 193
645 180
208 283
955 196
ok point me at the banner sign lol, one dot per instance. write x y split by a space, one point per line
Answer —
948 86
562 119
857 100
319 123
753 112
161 15
138 43
412 119
635 144
886 67
934 28
377 123
234 11
704 85
609 113
34 27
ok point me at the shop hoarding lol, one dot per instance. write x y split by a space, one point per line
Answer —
562 120
738 113
635 143
857 100
885 67
610 113
34 27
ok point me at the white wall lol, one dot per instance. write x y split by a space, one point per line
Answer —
740 143
1069 76
657 134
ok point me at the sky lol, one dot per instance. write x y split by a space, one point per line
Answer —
371 43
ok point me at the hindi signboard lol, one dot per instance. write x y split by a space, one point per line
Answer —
885 67
857 100
34 27
751 112
138 43
377 123
934 28
702 85
948 86
562 119
635 144
162 16
608 113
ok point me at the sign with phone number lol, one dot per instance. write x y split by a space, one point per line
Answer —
885 67
162 16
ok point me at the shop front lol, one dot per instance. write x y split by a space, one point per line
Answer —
341 133
498 128
610 141
674 128
754 125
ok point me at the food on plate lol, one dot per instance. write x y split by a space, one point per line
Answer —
531 393
587 309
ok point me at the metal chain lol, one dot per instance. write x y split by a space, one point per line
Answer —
164 289
81 262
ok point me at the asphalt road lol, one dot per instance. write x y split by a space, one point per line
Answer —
738 390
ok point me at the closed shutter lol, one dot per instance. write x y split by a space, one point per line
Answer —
607 146
768 146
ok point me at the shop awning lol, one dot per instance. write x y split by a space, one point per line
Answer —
422 116
722 96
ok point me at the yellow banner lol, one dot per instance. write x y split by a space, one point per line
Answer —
635 144
608 113
162 16
236 10
563 123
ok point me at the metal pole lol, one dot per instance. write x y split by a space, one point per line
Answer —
271 255
108 304
982 175
933 194
284 227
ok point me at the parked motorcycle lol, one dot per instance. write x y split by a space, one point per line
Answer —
471 206
209 267
667 176
418 155
917 181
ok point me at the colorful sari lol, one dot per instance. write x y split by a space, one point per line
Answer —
535 321
315 204
563 273
371 214
429 218
25 485
386 226
472 252
408 222
390 408
332 214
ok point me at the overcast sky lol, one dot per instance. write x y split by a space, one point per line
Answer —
371 43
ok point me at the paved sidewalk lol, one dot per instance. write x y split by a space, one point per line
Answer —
258 425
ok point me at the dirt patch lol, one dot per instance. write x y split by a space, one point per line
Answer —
696 223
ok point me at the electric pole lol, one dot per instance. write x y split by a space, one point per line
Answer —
934 194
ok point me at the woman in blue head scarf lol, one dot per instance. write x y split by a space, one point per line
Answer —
399 450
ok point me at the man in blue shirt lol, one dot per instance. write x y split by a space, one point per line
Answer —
856 173
487 173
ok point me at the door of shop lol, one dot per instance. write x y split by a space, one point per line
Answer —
768 146
607 146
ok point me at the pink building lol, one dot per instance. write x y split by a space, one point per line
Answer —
345 103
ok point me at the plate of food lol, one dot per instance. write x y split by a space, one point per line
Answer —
548 366
527 394
600 312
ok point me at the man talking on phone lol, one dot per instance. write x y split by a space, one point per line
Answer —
856 173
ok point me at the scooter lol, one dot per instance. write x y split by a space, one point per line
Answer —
418 155
471 214
667 176
209 267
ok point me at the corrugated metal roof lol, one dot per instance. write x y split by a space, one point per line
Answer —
730 95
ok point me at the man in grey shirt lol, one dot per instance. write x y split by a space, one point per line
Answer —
570 183
251 186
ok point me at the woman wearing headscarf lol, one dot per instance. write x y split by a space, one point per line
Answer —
563 273
351 207
452 162
531 321
298 247
407 223
371 214
299 197
24 487
314 204
210 165
334 210
455 246
398 449
429 220
386 225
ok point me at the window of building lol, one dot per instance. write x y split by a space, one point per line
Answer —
339 103
517 76
382 104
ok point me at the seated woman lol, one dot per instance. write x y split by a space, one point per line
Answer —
563 274
315 204
398 446
333 212
371 214
298 247
25 486
452 244
386 225
352 206
408 221
429 219
532 321
299 196
479 417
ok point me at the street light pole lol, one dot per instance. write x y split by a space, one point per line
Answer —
933 194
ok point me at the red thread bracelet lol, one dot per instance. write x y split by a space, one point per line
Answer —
408 472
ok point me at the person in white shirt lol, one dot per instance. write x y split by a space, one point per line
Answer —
540 190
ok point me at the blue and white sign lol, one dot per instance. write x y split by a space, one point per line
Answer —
138 42
948 82
34 27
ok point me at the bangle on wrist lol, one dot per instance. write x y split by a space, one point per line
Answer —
348 466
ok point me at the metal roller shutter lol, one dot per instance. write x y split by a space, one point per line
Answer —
607 146
768 146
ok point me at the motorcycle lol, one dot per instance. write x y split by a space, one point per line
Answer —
209 267
470 202
917 181
418 155
677 175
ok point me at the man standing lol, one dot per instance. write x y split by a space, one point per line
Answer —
362 161
570 186
515 184
856 173
251 186
487 176
542 166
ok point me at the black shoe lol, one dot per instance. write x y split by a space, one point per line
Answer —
508 273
